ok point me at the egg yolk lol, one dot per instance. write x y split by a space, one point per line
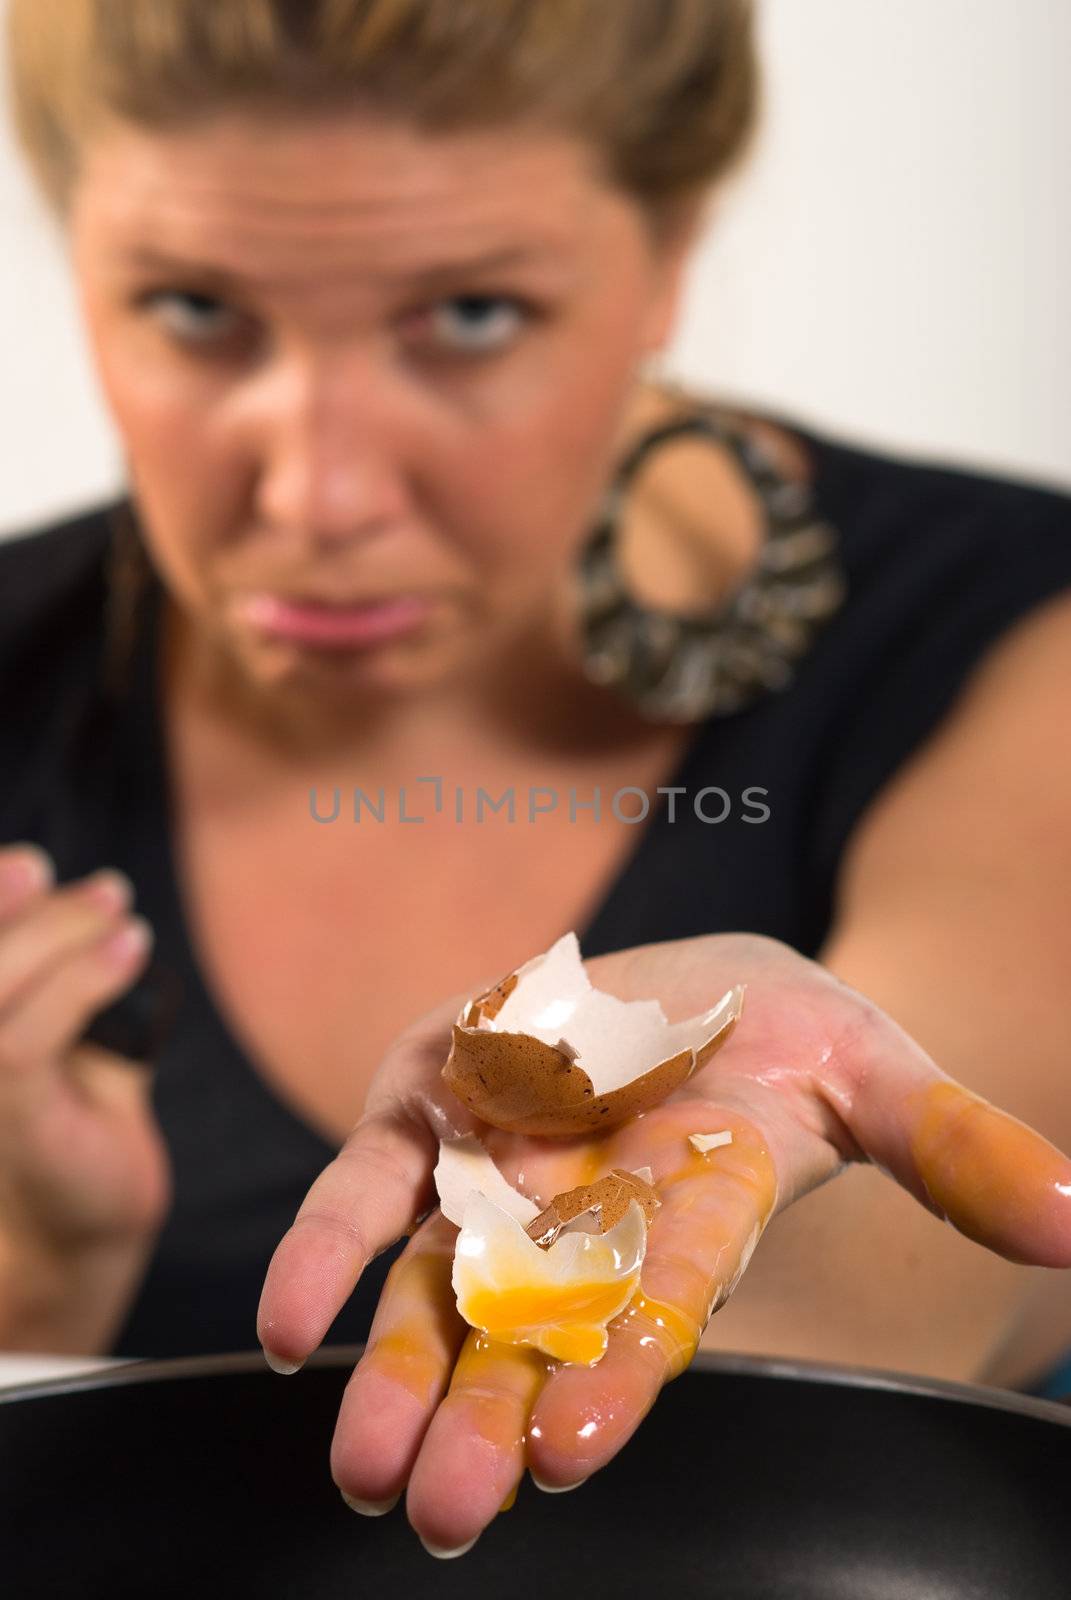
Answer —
568 1323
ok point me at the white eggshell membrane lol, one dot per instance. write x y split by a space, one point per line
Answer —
613 1040
558 1300
464 1168
709 1141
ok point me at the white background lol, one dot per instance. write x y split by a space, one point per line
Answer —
893 266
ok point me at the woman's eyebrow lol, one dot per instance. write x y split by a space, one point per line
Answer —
425 274
513 255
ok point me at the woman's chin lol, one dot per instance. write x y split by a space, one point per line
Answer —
387 669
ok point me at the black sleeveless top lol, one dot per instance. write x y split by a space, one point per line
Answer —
939 563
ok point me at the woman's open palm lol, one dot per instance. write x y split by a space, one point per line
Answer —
813 1077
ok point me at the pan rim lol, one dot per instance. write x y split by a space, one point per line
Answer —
151 1370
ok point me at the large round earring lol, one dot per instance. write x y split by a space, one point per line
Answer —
683 668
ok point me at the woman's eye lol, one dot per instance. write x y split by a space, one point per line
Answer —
474 324
194 318
477 323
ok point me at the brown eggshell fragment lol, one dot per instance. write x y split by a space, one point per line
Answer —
607 1197
518 1083
488 1005
522 1085
516 1050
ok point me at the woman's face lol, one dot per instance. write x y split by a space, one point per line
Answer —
350 363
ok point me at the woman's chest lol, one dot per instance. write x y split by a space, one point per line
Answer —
319 944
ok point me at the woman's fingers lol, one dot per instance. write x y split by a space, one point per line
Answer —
26 873
41 930
64 954
714 1208
362 1202
878 1096
372 1193
457 1433
979 1168
473 1455
416 1411
52 1014
403 1374
830 1075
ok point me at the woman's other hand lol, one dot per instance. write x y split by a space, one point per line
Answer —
84 1174
814 1077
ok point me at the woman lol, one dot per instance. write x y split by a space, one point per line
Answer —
347 569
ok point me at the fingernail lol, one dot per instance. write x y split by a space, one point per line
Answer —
447 1555
555 1488
132 940
30 869
277 1364
370 1508
111 890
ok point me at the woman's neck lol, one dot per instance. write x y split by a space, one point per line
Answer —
531 702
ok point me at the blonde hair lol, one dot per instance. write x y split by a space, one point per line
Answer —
664 91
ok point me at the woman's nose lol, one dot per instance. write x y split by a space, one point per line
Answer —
330 472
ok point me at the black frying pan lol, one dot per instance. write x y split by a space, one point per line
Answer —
209 1478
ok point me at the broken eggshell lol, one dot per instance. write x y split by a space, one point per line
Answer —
557 1292
464 1168
709 1141
545 1053
558 1299
594 1207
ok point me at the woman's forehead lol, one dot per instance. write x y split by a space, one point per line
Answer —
371 200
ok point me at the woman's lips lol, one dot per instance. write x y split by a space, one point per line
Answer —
339 626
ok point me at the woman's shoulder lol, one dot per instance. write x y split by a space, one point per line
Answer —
942 561
875 487
54 584
893 501
46 569
53 628
916 533
940 556
932 547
